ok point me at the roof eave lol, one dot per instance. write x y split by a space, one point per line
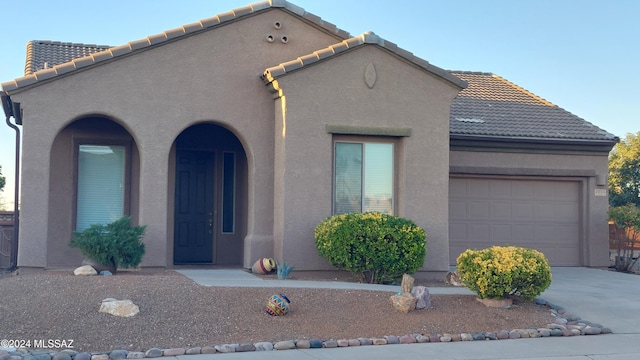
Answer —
520 143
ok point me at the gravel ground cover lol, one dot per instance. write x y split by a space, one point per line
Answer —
175 312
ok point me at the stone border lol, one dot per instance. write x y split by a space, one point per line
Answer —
565 324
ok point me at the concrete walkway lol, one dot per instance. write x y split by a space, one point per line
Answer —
608 298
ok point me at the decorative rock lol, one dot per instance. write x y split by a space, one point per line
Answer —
212 350
456 337
553 306
61 356
539 301
225 348
533 333
105 273
407 339
502 334
83 356
85 270
123 308
575 332
514 334
422 339
445 338
556 332
354 342
99 357
589 330
365 341
71 353
118 355
478 336
453 279
130 355
404 303
343 343
466 337
407 284
193 351
421 293
303 344
315 343
284 345
173 352
151 353
330 344
263 346
245 348
544 332
606 330
379 341
491 336
434 338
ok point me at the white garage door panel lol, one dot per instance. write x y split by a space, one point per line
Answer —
544 215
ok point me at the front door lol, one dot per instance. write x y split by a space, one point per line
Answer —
194 207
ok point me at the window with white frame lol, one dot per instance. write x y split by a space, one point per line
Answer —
363 177
100 184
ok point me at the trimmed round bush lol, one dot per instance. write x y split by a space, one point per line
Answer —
379 247
116 245
502 271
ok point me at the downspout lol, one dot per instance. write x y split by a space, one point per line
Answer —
13 109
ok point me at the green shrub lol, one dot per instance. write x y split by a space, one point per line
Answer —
502 271
117 244
377 246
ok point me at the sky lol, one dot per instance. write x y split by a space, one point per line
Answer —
581 55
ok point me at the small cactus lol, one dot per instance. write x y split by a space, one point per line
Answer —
283 269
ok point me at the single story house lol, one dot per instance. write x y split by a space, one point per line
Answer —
231 138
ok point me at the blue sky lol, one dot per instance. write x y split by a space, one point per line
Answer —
581 55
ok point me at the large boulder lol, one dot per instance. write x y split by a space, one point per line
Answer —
403 302
123 308
421 293
85 270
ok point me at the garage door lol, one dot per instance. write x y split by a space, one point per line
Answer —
543 215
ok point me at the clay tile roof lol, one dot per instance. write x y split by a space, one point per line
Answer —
348 44
44 54
495 107
69 57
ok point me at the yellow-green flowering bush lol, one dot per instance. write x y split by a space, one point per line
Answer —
501 271
377 246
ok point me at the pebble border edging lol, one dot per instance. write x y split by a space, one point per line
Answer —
565 324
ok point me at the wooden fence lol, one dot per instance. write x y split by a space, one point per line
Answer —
6 238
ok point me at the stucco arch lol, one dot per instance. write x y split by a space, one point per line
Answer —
214 140
87 129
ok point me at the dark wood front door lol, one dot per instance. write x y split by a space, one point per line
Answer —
194 208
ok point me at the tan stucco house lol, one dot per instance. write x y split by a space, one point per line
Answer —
231 138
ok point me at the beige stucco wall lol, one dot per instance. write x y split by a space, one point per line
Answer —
155 94
586 168
335 93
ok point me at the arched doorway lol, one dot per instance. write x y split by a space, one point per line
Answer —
210 197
